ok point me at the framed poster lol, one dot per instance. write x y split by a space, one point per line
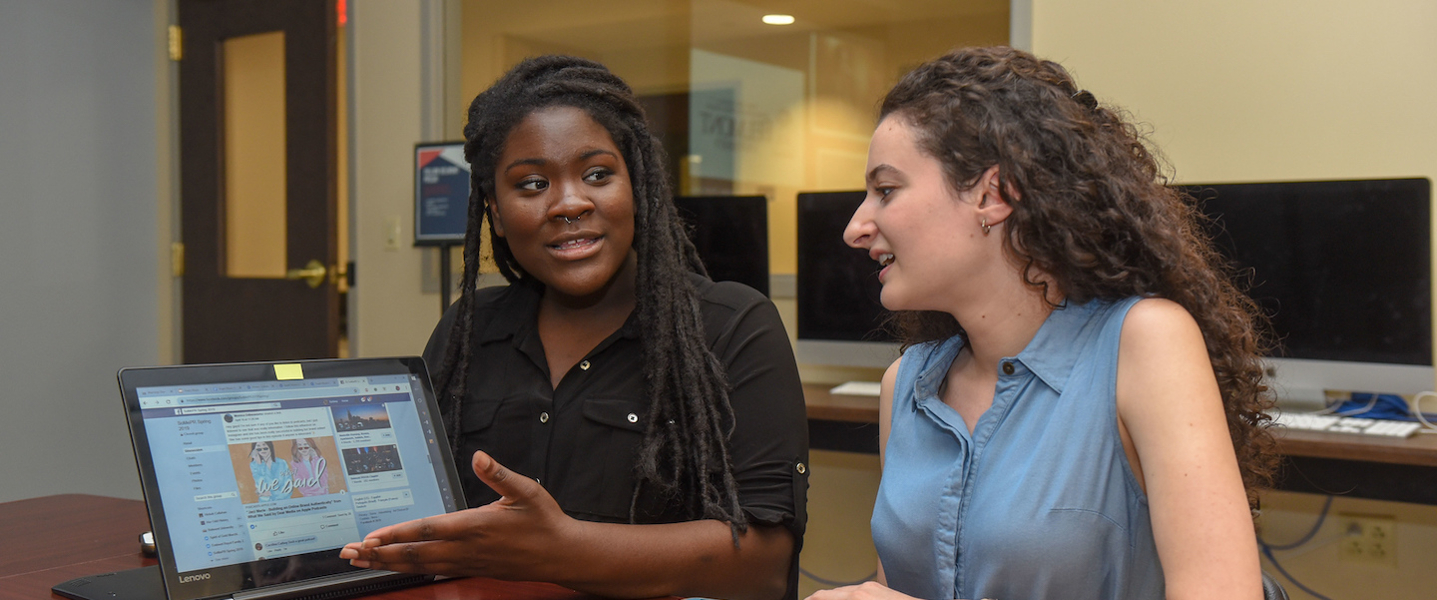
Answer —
441 193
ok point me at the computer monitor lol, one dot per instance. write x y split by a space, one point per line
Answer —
840 317
731 235
1343 268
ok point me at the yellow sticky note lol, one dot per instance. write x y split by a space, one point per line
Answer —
290 371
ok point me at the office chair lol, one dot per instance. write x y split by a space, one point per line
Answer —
1271 589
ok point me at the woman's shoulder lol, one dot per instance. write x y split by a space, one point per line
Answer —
918 354
733 312
724 304
487 302
729 295
1156 319
1159 336
494 297
918 358
497 297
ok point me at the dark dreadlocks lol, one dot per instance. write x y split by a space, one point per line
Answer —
685 450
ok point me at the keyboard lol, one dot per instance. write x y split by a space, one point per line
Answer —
1353 425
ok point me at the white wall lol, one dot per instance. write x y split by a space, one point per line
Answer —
395 301
1236 90
79 226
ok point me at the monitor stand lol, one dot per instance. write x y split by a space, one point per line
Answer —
1300 399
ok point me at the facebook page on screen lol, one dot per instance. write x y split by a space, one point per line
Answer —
248 471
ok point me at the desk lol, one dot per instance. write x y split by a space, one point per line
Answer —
58 538
839 422
1402 470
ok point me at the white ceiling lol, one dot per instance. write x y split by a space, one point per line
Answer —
620 24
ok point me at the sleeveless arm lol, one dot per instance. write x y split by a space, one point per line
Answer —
885 409
1170 406
885 425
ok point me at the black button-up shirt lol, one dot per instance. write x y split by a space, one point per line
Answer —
581 440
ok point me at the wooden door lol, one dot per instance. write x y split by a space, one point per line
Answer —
234 310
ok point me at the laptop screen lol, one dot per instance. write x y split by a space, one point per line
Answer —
250 468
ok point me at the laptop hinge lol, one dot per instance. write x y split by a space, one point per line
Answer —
334 586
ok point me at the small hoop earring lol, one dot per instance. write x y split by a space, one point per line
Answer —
986 227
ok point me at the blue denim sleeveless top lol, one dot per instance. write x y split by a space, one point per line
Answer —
1039 502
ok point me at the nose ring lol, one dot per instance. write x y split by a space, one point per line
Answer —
569 221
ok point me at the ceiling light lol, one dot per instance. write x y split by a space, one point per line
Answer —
778 19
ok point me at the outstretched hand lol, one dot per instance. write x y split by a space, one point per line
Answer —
518 536
869 590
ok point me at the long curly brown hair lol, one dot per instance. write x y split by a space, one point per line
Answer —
1092 213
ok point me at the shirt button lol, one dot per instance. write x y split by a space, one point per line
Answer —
802 469
543 417
633 418
584 366
1007 368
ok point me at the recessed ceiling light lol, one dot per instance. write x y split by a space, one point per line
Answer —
778 19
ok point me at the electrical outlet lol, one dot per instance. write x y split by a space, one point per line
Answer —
1369 539
392 233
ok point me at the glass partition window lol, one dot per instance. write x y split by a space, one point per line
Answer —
743 107
254 155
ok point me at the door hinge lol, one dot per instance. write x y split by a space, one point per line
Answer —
176 43
177 259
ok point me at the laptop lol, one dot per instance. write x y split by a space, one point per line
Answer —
255 474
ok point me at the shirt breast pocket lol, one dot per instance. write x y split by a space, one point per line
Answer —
479 416
601 484
492 425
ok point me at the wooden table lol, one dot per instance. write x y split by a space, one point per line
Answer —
53 539
1359 466
1402 470
825 406
1418 450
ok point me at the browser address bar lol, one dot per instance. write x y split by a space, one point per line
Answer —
247 397
197 410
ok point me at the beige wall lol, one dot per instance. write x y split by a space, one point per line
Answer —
1287 517
391 313
1281 89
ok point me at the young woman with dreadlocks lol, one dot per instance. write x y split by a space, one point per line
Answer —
649 422
1077 413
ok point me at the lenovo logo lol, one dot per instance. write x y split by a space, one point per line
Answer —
194 578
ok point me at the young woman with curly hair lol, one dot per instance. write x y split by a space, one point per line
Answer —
1078 410
653 419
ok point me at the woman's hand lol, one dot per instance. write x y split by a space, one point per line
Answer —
519 536
869 590
525 536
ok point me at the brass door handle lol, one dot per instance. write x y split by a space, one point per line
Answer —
313 273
